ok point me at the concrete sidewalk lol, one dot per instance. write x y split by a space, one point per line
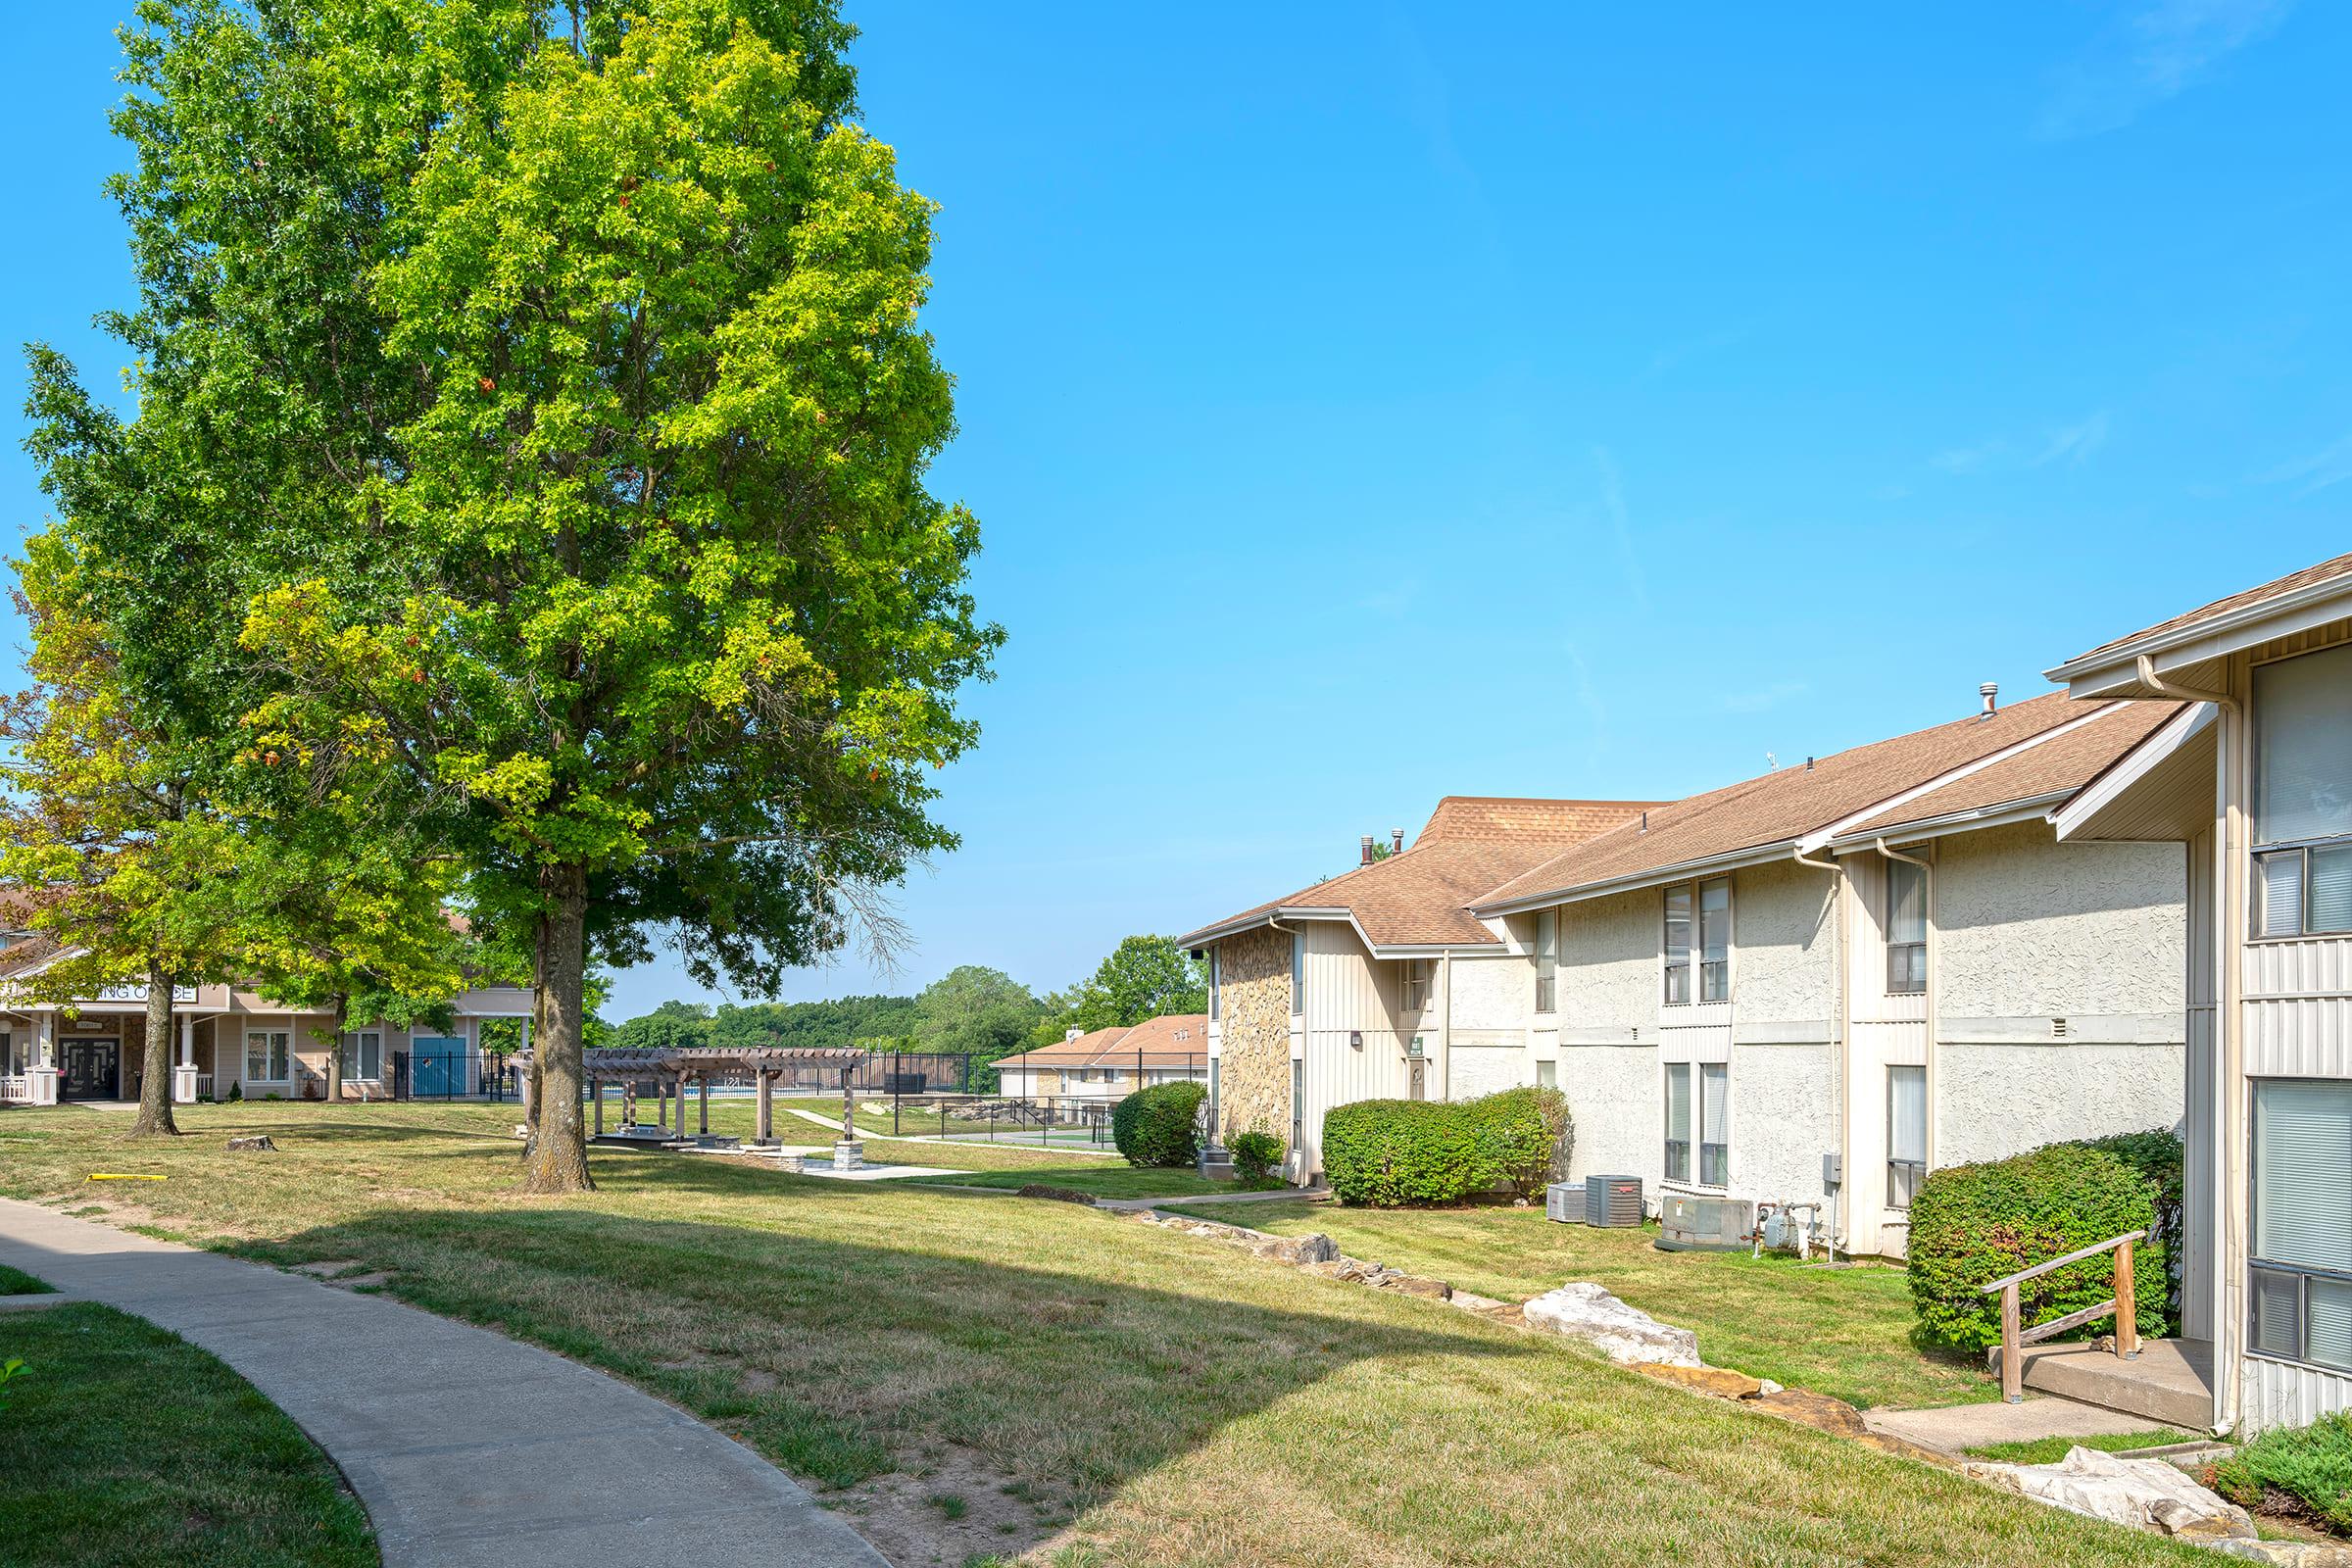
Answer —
467 1447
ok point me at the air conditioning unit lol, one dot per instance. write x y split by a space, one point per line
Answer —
1705 1224
1565 1203
1613 1200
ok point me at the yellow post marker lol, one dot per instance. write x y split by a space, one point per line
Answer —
121 1176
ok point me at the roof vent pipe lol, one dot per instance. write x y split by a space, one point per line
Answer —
1366 846
1808 764
1644 822
1990 691
1395 841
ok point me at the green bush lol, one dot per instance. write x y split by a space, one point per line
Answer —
1396 1152
1256 1155
2311 1464
1971 1224
1159 1126
2157 1156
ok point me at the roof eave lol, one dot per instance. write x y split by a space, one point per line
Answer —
2115 672
2027 809
1655 876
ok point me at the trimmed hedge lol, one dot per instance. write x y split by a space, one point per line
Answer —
2157 1155
1255 1156
1392 1153
1971 1224
1159 1126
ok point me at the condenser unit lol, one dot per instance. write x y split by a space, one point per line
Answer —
1705 1224
1565 1203
1613 1200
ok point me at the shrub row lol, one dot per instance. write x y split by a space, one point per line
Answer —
1971 1224
1255 1156
1400 1152
1159 1126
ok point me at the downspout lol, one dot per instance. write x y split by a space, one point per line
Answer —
1837 1034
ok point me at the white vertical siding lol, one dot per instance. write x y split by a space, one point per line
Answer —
1350 997
2298 1008
2278 1394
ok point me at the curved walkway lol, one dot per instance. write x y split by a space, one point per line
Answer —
467 1447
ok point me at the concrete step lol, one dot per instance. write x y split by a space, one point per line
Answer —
2169 1382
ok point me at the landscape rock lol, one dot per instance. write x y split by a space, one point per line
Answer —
1816 1410
1484 1306
1625 1334
2143 1493
1415 1284
1312 1248
258 1142
1721 1382
2286 1553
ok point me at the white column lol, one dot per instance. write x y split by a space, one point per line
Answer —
187 1042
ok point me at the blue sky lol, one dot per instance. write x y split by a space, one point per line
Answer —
1364 404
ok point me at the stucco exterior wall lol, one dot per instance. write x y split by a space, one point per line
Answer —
1608 975
1492 995
1784 954
1253 1081
2030 928
1993 1100
1613 1100
1483 1069
1784 1118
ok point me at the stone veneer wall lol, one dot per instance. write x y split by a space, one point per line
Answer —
1253 1081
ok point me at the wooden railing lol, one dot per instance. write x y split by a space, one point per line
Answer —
2014 1339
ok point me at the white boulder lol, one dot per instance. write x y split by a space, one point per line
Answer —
2140 1493
1625 1334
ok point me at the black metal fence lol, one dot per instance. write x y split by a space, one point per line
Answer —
453 1074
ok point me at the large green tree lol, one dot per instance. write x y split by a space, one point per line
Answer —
975 1011
555 382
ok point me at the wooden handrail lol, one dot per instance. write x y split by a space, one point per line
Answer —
2014 1337
2075 1257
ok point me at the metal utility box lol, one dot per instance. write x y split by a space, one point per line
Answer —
1565 1203
1613 1200
1705 1224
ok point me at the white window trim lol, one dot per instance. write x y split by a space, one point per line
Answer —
1698 950
354 1037
246 1073
1698 1126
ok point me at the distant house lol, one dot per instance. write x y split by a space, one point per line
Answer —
95 1048
2254 776
1109 1064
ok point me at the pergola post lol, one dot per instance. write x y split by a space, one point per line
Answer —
764 1124
596 1086
849 1107
703 1094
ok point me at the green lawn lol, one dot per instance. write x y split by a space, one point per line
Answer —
15 1281
1118 1181
125 1446
1841 1331
1096 1392
2050 1450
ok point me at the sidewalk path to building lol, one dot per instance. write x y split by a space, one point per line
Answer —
467 1447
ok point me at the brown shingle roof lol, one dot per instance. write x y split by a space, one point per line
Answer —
1173 1038
2340 566
2059 766
1781 807
1470 843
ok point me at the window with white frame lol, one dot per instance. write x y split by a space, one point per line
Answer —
1298 974
1214 1009
1698 1119
268 1055
2301 1305
2303 795
1547 958
1906 927
1416 984
364 1055
1906 1133
1699 936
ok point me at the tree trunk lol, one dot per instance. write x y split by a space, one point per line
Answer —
557 1161
335 1047
536 1093
155 1089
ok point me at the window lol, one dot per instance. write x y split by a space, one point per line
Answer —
1906 927
1548 1075
1547 958
8 1053
2303 795
364 1055
1213 1010
266 1055
1298 1101
1416 984
1713 899
1298 974
1704 1119
2302 1271
1906 1133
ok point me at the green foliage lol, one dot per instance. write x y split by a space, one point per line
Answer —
1410 1152
2310 1464
671 1026
839 1022
2157 1155
1159 1126
978 1012
10 1370
1972 1224
1144 977
1256 1156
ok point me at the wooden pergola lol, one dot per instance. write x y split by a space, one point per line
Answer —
672 1070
